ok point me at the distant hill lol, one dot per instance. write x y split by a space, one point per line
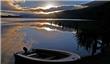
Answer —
97 12
95 3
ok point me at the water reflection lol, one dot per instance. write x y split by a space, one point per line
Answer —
97 40
92 36
84 38
11 43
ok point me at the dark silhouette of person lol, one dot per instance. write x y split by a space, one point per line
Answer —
25 50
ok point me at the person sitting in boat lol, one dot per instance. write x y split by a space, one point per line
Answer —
25 50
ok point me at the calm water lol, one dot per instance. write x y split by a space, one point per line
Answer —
38 34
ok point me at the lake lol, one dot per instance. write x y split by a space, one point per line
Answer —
49 34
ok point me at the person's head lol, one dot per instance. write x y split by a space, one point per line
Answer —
25 49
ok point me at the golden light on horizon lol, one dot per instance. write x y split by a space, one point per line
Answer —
49 5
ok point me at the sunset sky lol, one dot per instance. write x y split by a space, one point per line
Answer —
40 5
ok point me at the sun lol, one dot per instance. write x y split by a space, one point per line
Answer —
48 6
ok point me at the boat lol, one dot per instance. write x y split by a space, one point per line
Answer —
45 56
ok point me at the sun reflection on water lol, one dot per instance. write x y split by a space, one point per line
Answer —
13 39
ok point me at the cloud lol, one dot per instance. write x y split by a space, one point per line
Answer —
10 5
80 6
